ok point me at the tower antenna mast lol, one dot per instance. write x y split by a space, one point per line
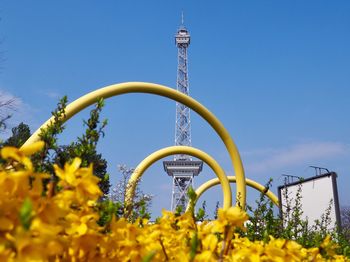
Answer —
183 168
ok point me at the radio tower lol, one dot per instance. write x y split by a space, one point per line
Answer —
182 169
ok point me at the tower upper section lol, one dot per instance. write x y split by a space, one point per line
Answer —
183 122
182 37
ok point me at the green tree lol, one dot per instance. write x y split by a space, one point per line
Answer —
84 147
20 134
44 160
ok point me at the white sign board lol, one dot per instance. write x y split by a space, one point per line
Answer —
317 194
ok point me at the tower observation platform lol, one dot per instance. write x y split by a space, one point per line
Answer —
182 169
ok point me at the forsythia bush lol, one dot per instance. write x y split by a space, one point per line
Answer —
60 223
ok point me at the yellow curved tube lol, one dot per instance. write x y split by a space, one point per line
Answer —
213 182
141 87
173 150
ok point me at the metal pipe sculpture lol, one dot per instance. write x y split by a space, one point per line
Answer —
251 183
173 150
149 88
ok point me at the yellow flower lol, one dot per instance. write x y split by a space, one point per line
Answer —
231 217
275 249
234 216
81 224
80 179
21 155
67 175
32 148
294 251
210 242
63 226
88 188
329 246
31 245
14 183
205 256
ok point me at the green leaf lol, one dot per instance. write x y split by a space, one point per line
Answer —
149 257
200 214
25 213
191 194
194 246
178 210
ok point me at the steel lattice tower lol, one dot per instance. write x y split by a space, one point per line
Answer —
182 168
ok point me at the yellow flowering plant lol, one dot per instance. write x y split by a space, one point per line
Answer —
40 224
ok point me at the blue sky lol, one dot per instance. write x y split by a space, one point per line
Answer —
276 73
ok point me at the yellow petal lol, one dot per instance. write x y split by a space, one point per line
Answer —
17 155
82 229
10 152
210 242
32 148
59 172
74 166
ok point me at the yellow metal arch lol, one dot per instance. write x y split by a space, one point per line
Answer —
140 87
173 150
213 182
